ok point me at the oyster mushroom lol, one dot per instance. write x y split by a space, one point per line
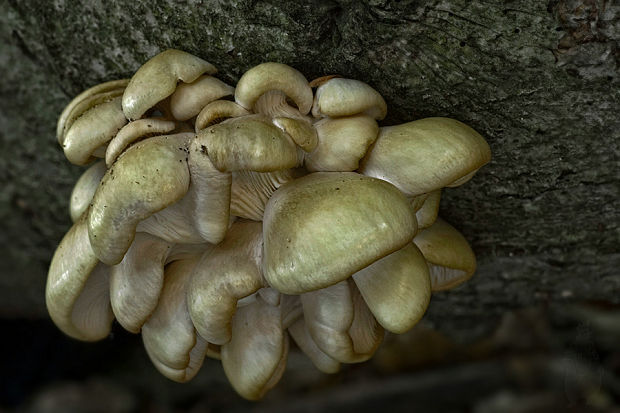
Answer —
248 142
299 331
138 129
425 155
93 130
84 190
169 336
77 293
218 111
345 97
302 132
189 98
255 357
321 228
86 100
342 142
396 288
226 273
451 260
157 79
148 177
169 239
340 323
273 76
136 282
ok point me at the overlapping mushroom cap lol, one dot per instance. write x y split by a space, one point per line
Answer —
218 227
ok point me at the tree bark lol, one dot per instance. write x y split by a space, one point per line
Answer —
539 80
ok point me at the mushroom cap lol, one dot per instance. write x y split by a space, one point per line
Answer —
94 129
340 323
303 339
169 336
450 259
425 155
302 132
84 190
345 97
85 101
146 178
255 357
248 142
273 76
342 143
225 274
138 129
189 98
217 111
157 79
321 228
396 288
77 293
136 282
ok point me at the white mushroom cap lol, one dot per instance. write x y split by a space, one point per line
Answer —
157 79
189 98
225 274
138 129
84 189
425 155
323 227
451 260
218 111
340 323
273 76
77 293
148 177
169 336
85 100
93 130
255 358
136 282
345 97
248 142
396 288
342 143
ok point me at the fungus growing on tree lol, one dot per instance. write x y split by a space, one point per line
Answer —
217 228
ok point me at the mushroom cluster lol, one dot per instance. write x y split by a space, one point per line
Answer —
221 220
